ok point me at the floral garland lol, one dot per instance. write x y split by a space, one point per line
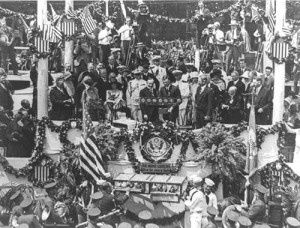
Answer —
38 157
169 130
7 12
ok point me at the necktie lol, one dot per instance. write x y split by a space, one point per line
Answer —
207 199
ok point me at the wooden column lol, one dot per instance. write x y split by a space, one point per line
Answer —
279 71
69 44
42 66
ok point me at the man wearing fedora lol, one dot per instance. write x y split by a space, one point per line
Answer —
233 40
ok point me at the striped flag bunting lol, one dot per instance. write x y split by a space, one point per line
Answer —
41 45
87 21
68 28
280 50
51 33
41 173
91 161
71 14
255 14
55 16
272 19
287 31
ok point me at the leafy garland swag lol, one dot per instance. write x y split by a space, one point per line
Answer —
169 130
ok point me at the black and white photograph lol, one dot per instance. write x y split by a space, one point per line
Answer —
150 113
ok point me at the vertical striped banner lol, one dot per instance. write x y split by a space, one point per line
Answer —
280 50
41 45
68 28
41 173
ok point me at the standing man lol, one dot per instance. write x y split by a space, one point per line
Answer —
104 39
262 103
211 198
237 83
195 203
269 78
6 100
133 94
203 102
170 91
233 39
150 112
126 32
185 95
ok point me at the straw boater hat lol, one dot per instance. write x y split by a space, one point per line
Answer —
244 221
292 222
209 182
194 74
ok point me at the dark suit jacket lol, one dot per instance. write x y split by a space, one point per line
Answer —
149 75
170 74
239 85
263 99
204 100
6 100
150 110
141 57
233 114
114 69
59 110
269 83
174 92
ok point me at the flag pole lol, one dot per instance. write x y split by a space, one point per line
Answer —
69 44
42 66
106 8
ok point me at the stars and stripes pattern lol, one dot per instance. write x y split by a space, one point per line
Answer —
28 30
87 21
252 157
280 50
51 33
287 31
55 16
91 161
68 28
41 45
272 19
255 14
71 14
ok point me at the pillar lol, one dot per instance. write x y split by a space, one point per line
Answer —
279 71
42 66
69 44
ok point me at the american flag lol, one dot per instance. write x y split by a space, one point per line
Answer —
87 21
255 14
71 14
29 30
51 33
252 157
272 19
55 16
91 161
287 31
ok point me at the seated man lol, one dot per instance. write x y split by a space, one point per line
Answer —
257 210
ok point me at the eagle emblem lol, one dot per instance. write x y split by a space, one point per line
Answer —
156 148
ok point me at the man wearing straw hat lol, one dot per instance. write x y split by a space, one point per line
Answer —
233 39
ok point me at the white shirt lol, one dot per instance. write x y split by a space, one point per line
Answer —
133 91
125 32
219 34
196 201
103 37
183 87
212 200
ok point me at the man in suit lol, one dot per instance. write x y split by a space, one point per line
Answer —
172 91
170 69
150 112
203 102
262 102
233 39
149 74
269 78
257 210
89 72
62 103
6 100
236 81
242 66
141 54
232 107
112 65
